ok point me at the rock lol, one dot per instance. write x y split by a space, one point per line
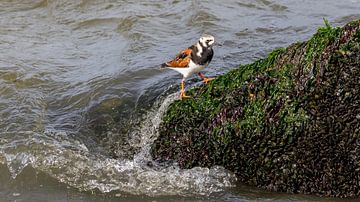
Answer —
289 122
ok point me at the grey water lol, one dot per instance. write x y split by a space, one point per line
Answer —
81 93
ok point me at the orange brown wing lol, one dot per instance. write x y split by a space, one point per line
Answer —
181 60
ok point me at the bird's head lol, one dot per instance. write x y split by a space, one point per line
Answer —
207 40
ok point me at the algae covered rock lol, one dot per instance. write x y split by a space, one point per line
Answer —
289 122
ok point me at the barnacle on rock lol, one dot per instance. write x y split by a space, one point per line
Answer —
289 122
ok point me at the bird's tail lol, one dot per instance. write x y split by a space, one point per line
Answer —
163 66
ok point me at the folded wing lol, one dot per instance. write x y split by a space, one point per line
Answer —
181 60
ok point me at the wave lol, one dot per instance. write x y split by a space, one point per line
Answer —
69 161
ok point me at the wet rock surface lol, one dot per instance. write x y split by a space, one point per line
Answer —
289 122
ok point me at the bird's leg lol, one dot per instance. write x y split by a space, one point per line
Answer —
182 95
205 80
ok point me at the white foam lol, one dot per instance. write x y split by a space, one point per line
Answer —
88 171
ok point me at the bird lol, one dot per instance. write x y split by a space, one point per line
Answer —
193 60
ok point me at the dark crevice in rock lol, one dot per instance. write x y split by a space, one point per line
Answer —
289 122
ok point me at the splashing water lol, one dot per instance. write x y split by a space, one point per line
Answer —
70 162
61 59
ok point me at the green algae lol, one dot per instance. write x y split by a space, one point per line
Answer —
278 122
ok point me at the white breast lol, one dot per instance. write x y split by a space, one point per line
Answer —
188 71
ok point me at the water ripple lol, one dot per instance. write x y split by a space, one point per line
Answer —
69 161
68 66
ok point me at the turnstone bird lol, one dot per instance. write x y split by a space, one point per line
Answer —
193 60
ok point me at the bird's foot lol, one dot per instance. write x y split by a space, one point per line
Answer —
183 96
207 80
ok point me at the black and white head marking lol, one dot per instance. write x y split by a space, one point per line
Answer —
206 41
202 50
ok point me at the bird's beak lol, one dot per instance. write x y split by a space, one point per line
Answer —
217 43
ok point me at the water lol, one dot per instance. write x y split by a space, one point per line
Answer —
68 67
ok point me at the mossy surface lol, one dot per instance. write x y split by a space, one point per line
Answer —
289 122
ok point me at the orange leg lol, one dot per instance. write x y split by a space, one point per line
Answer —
182 95
205 80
